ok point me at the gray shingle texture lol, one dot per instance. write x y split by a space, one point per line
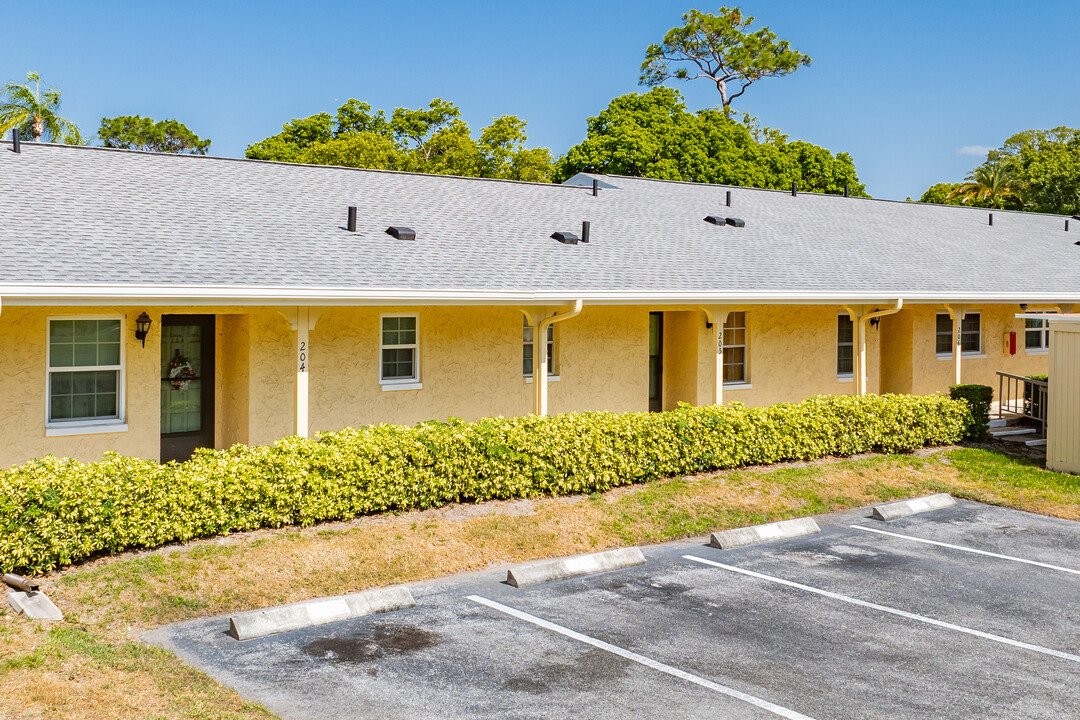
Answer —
80 215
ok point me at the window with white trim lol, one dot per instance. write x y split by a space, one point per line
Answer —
85 370
735 348
845 345
1037 332
944 343
527 333
970 334
399 350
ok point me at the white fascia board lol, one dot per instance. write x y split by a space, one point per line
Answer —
135 294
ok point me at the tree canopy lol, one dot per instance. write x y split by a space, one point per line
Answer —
653 135
133 132
1034 170
940 194
720 48
432 140
34 112
992 184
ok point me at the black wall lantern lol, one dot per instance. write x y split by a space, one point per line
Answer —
142 327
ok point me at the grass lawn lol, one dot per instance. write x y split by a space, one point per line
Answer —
91 665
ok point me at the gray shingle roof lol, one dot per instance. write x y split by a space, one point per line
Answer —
103 218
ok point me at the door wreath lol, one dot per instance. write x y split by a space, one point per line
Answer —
180 372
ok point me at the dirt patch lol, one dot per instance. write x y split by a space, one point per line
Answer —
365 646
593 668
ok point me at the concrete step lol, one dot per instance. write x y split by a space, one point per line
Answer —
1010 431
1037 442
1029 440
999 422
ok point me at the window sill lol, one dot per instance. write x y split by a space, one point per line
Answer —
963 356
61 430
387 387
845 378
737 386
551 378
1037 351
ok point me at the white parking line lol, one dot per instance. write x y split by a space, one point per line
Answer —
967 549
892 611
641 659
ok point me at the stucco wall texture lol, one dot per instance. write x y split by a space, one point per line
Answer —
470 367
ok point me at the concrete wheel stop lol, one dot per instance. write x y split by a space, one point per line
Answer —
903 508
269 621
562 569
739 537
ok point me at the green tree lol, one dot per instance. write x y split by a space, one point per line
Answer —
1034 170
720 48
939 194
992 185
654 135
1045 165
34 112
433 139
133 132
295 138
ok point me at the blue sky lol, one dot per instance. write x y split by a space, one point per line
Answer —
902 86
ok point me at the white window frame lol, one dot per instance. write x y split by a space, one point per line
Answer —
86 426
845 375
745 345
964 316
532 343
409 383
1044 332
952 336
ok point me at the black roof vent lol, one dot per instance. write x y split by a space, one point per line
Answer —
15 141
566 238
401 233
733 222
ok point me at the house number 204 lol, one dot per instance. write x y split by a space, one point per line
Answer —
303 357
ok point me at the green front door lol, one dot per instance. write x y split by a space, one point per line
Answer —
187 385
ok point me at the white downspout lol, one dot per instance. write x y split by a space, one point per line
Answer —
540 362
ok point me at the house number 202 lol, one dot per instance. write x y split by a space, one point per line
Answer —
303 356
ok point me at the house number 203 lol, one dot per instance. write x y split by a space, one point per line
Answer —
302 357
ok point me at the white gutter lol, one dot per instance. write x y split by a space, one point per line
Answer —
540 362
136 294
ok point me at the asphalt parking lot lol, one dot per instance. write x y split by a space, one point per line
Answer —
966 612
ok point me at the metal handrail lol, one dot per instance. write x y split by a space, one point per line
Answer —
1023 396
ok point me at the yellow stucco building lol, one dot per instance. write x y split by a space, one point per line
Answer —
152 304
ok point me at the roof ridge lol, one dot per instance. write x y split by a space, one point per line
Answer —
1026 213
281 163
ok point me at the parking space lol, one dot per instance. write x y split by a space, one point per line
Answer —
964 612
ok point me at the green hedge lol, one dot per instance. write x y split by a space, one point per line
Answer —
979 398
54 512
